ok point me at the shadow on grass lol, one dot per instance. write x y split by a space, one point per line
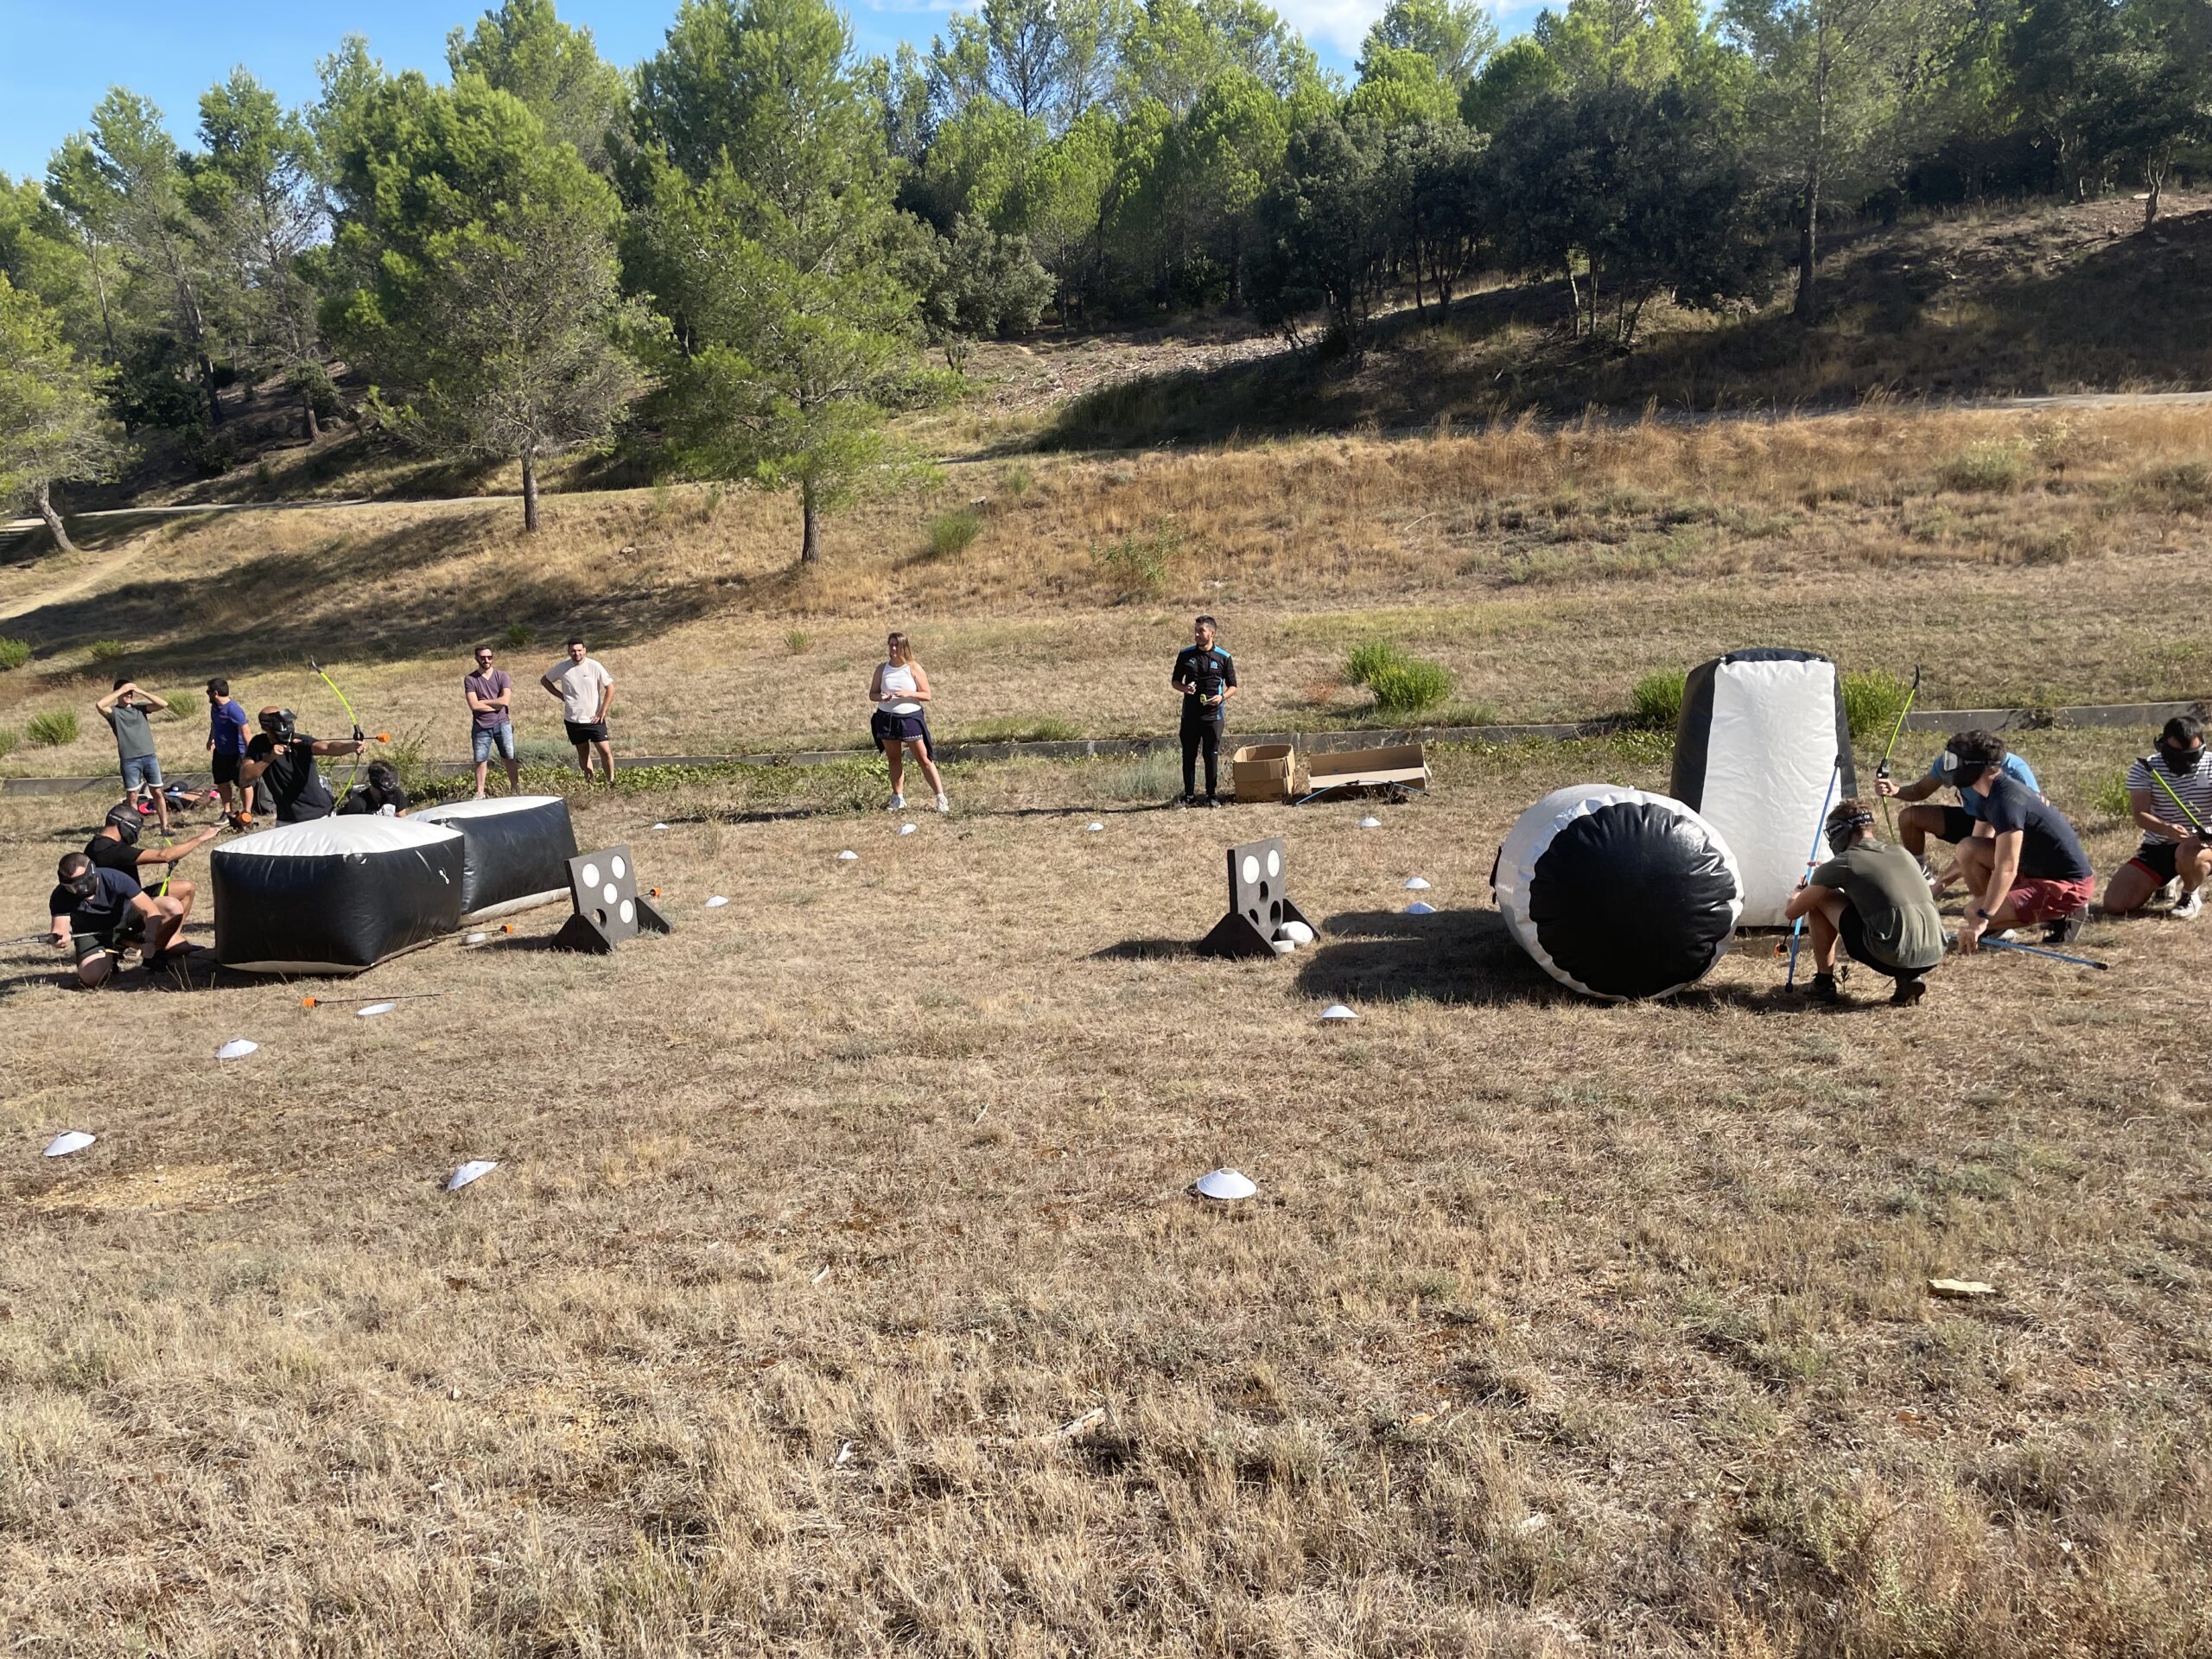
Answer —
1453 956
1147 950
1969 319
332 600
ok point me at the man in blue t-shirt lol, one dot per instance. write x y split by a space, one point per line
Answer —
1207 679
226 740
1951 824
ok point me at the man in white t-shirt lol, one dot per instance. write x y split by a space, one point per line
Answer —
585 689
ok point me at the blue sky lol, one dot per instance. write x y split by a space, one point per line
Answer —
59 57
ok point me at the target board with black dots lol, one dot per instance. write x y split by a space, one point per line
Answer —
1260 904
603 886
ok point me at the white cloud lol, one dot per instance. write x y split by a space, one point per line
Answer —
1340 24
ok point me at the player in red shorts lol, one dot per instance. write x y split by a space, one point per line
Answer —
2031 868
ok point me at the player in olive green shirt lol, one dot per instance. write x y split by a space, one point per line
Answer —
1873 899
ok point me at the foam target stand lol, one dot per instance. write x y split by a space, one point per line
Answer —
1259 902
609 908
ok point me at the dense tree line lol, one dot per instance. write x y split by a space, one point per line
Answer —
746 242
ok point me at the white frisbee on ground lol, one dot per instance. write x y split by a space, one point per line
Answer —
716 902
374 1009
1419 908
1337 1011
1225 1185
473 1171
1416 885
237 1049
1092 828
848 856
66 1142
908 829
1371 823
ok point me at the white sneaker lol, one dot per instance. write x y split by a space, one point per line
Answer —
944 805
898 803
2188 905
2170 893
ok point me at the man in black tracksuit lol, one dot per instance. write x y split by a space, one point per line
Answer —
1207 679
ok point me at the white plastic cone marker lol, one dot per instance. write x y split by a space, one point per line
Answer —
1417 886
237 1049
71 1141
1092 828
660 826
1417 908
1282 947
908 829
1225 1184
1371 823
716 902
848 856
1297 933
476 938
1337 1011
374 1009
475 1171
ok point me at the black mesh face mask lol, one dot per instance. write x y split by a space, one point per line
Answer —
1843 831
2180 761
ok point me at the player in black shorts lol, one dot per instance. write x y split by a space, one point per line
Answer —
1207 679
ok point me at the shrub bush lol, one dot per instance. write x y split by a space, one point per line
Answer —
108 651
2110 796
11 740
1411 687
517 635
1873 700
1371 658
14 653
949 533
1138 565
51 730
799 642
1994 467
1655 700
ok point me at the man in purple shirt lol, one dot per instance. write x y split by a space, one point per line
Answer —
491 700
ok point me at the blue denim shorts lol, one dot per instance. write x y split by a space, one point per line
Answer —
483 739
140 771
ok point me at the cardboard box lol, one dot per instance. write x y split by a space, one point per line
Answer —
1263 771
1398 764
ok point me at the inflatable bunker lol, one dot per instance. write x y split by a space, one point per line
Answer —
514 853
334 896
1616 893
1761 735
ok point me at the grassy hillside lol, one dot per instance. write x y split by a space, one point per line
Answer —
2037 559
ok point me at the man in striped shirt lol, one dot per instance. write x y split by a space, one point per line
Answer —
2169 792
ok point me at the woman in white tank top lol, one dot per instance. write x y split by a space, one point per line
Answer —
900 691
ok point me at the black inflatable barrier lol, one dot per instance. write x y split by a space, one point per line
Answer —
334 896
515 852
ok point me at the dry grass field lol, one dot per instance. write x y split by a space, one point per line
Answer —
839 1292
2038 559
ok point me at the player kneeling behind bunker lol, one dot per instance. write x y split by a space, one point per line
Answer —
1618 894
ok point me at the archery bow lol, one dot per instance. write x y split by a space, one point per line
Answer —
359 736
1882 771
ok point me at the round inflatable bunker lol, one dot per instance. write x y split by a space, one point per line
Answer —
1761 735
515 852
333 896
1616 893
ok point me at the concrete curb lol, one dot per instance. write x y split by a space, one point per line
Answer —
1123 748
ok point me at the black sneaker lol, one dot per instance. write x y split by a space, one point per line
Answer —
1213 800
1908 992
2067 929
1822 989
1182 801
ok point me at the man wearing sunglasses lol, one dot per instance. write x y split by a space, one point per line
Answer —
490 696
2169 795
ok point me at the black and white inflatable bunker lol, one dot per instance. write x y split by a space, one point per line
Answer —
1762 735
515 852
334 896
1616 893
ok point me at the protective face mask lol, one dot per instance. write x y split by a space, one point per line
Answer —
84 886
2181 762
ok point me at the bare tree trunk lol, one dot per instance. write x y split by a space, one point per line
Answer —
529 491
2154 200
214 399
810 543
307 409
1808 250
1575 299
44 497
